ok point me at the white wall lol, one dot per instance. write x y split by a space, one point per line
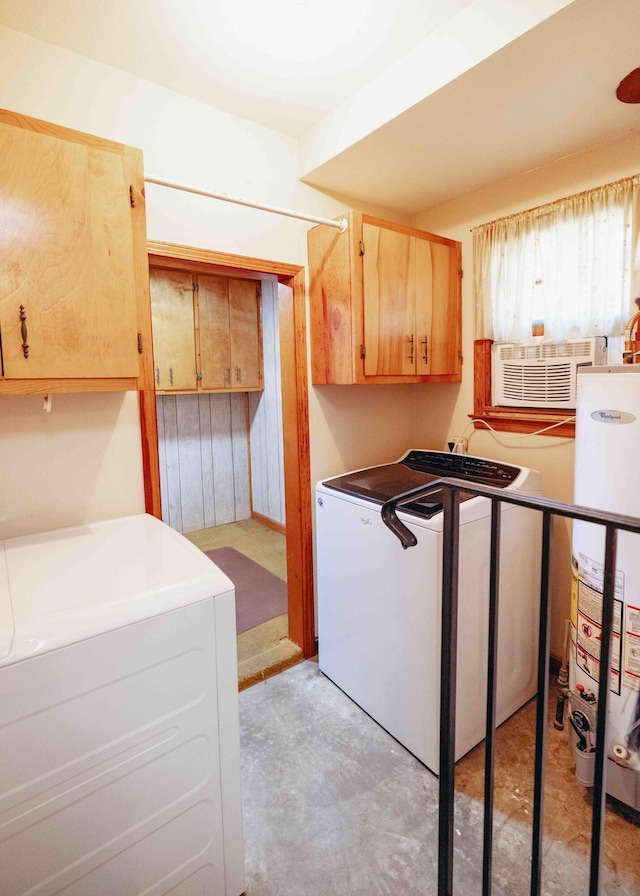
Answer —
472 35
365 425
351 426
80 462
554 457
185 141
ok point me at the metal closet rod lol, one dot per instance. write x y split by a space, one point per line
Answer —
340 225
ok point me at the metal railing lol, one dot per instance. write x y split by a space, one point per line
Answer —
451 490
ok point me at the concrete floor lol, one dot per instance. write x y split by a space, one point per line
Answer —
264 650
334 806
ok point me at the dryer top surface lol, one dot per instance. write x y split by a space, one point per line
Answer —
67 585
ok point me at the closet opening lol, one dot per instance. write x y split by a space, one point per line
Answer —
231 424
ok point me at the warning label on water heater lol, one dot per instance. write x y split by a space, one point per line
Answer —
586 616
631 664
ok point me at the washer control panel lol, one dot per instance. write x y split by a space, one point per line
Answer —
461 466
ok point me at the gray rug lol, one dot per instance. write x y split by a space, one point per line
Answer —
260 596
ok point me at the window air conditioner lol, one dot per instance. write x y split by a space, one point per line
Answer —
542 374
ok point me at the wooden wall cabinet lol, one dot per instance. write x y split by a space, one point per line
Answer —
174 334
385 304
206 332
74 297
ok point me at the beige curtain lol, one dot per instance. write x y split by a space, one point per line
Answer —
575 264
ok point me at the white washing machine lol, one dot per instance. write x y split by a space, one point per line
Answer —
379 605
119 735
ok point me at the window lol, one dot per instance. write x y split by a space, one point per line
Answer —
563 271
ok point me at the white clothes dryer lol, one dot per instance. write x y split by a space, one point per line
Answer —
119 732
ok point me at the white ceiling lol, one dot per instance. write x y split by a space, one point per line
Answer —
282 63
545 95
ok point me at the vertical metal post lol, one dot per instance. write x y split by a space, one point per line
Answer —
541 713
492 662
448 659
450 496
599 792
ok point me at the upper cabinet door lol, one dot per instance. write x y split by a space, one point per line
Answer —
389 301
173 330
68 302
215 343
437 308
385 304
207 332
245 334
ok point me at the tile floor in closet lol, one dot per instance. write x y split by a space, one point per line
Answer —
265 648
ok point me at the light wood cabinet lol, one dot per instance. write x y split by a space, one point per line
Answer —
206 332
230 333
74 297
174 338
385 304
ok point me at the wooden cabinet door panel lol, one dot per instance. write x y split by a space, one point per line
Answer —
437 314
244 328
331 298
445 329
173 329
389 302
424 306
390 289
65 239
215 344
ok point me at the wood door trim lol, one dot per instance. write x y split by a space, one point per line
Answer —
295 423
295 411
269 523
191 255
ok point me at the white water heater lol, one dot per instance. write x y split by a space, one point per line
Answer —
607 453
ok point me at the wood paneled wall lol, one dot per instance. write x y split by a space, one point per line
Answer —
208 473
204 459
265 419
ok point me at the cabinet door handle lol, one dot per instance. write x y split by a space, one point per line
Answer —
157 376
23 330
237 374
425 342
410 341
171 376
227 374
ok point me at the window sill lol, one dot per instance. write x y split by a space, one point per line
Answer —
525 420
502 419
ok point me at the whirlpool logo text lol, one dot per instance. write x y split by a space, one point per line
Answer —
616 418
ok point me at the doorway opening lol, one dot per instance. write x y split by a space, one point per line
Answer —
294 411
254 557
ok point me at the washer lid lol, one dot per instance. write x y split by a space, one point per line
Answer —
71 584
418 468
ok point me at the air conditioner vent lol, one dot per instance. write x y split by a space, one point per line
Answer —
571 349
542 374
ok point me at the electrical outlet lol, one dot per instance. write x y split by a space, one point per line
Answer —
461 446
